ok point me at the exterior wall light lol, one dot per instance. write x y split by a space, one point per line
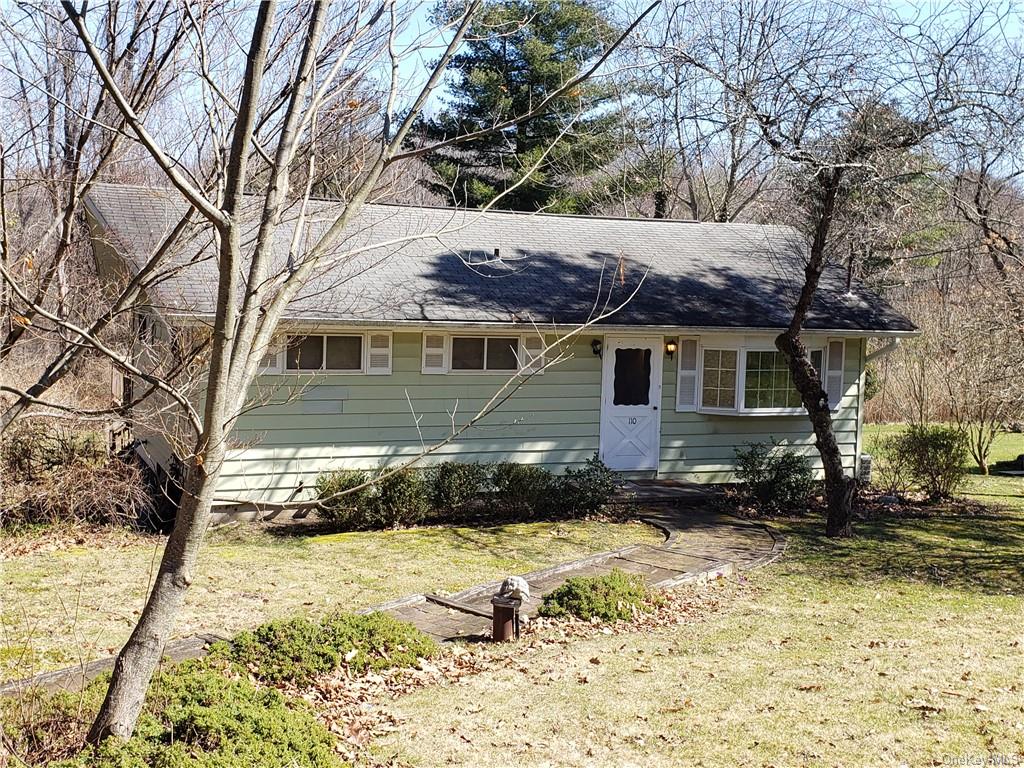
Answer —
596 346
670 348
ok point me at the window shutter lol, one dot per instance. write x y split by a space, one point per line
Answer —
435 359
271 360
533 354
686 380
378 358
834 373
116 386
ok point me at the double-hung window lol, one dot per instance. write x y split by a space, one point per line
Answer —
491 353
330 353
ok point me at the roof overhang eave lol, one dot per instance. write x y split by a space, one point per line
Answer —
195 318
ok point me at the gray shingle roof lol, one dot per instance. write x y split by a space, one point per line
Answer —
549 269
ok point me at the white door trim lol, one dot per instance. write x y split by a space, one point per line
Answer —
611 432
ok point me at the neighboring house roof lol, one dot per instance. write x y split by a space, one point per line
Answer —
549 268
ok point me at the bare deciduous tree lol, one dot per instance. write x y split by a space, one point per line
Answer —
841 95
263 79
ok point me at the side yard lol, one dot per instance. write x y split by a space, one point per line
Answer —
75 604
990 489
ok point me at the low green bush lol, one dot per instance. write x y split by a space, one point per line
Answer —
520 488
342 511
398 500
406 498
616 595
394 501
583 491
199 715
776 479
934 457
454 485
891 469
300 649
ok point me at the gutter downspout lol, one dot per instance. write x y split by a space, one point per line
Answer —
882 351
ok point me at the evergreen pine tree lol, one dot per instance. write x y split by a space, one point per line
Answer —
520 52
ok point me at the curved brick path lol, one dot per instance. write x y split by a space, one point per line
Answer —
700 545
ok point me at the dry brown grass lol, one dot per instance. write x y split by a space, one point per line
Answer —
63 604
901 647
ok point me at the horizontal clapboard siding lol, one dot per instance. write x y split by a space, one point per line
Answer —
307 424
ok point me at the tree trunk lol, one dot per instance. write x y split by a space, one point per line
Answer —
141 655
660 203
839 489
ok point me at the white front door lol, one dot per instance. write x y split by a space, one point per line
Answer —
630 399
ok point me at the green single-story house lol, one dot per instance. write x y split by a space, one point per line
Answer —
659 338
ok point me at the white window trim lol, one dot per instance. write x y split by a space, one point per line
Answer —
741 382
701 408
522 370
741 375
280 364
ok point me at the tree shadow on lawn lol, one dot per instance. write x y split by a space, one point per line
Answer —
979 553
505 535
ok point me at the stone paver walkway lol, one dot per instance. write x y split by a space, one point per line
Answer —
700 545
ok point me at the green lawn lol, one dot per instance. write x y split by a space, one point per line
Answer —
902 646
992 488
59 607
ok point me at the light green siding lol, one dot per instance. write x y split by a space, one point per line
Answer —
307 424
311 424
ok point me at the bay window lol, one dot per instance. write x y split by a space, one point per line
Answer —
750 380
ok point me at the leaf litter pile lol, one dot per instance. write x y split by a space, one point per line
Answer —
356 707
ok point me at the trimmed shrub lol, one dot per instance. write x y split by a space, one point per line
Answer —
455 485
935 455
344 510
520 487
616 595
199 716
776 479
583 491
300 649
398 500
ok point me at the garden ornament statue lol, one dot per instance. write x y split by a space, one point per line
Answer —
505 608
516 588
